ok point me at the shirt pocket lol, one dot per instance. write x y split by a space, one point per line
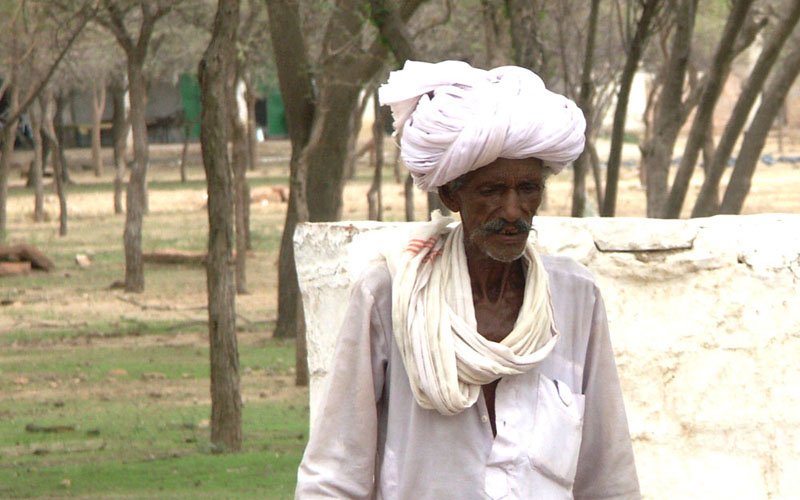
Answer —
557 432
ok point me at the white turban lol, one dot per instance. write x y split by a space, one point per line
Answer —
452 118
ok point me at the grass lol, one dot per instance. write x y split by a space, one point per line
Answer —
135 420
127 376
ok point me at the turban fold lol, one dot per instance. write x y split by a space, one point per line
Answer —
452 118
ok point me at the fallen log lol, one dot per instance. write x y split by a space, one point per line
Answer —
174 257
26 253
49 428
178 257
14 268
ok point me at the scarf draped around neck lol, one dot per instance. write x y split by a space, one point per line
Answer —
433 316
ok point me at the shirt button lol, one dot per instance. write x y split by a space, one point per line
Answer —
484 419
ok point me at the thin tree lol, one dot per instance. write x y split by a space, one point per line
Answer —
392 27
580 165
37 166
634 50
292 62
135 45
707 203
22 22
756 135
241 190
374 195
120 127
50 134
319 118
98 106
217 84
670 110
718 74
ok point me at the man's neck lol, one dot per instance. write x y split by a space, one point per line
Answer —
491 279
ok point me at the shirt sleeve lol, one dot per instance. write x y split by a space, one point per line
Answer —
606 468
339 460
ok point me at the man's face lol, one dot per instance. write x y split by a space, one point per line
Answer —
497 203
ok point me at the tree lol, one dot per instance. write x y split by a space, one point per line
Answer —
718 73
48 128
634 50
292 61
119 18
319 98
217 83
120 127
374 197
37 166
585 103
756 135
250 57
27 25
707 202
670 110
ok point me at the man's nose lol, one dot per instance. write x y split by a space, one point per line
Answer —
512 208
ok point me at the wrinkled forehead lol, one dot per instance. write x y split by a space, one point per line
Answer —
505 170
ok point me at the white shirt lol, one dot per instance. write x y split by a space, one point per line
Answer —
561 428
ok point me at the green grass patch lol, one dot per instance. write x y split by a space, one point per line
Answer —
162 454
134 422
125 327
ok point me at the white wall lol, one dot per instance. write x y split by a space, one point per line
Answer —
705 320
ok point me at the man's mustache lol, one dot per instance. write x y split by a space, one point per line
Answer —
500 225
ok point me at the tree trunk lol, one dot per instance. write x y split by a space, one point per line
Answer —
491 32
252 141
585 103
718 74
594 160
217 84
241 198
48 119
252 144
634 55
135 203
669 112
185 152
329 156
707 202
8 135
408 191
396 167
291 59
37 170
58 123
319 124
119 132
756 135
374 198
98 106
352 142
528 51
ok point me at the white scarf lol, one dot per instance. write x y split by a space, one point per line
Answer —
434 323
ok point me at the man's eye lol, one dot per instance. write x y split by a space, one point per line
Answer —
530 188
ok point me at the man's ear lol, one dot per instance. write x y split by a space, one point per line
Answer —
449 199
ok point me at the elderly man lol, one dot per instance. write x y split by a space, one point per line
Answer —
469 367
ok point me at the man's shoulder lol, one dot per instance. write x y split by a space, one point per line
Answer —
375 279
567 268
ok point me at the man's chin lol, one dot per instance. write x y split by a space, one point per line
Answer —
504 255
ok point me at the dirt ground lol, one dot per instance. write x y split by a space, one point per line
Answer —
178 219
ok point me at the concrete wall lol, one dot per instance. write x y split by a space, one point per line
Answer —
705 321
